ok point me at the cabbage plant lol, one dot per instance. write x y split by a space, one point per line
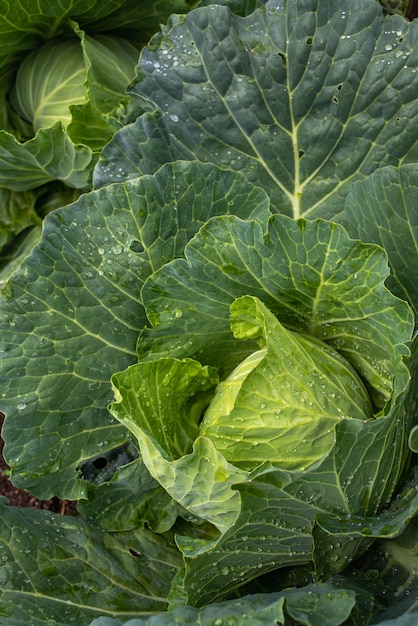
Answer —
316 372
259 377
214 351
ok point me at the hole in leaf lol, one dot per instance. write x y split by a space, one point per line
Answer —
134 553
100 463
282 58
301 153
136 246
340 87
309 41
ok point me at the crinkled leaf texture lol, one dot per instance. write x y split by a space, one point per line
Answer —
71 313
127 497
382 209
50 155
18 214
157 402
303 97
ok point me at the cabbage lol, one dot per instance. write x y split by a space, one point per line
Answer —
266 393
38 96
61 75
281 404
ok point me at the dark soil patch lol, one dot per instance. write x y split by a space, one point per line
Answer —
22 498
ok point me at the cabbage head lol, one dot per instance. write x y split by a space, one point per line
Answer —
281 403
88 72
268 398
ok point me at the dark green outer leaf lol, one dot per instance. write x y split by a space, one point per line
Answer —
303 97
400 574
131 499
403 620
139 20
240 7
273 529
383 209
331 532
57 569
17 214
72 312
364 483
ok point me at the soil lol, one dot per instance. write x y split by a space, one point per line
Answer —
22 498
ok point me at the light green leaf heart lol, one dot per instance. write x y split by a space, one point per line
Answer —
288 403
304 98
72 312
110 63
310 274
165 398
48 80
383 209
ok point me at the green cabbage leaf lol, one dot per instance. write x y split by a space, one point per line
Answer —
304 98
